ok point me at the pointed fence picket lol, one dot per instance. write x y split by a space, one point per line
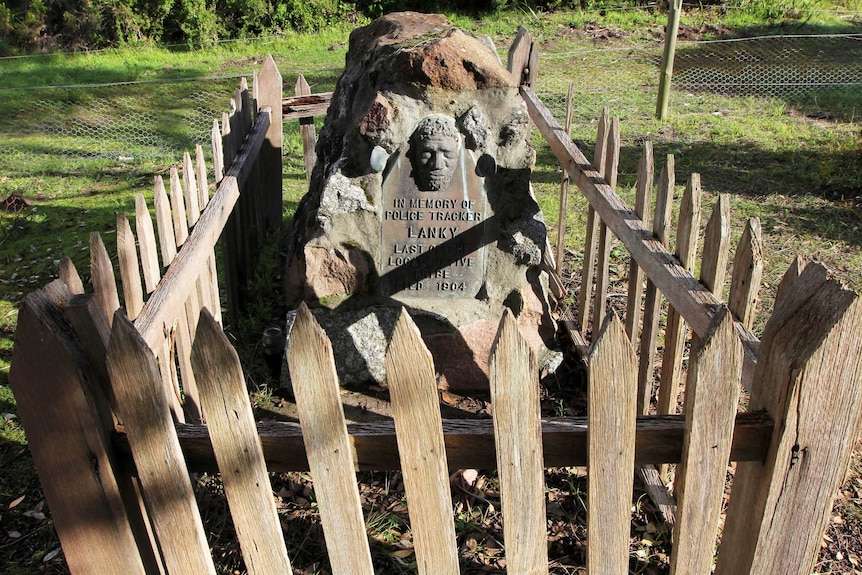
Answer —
612 410
712 389
515 409
238 450
653 298
318 400
688 229
643 197
306 130
419 430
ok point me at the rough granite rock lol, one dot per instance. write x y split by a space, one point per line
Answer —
421 198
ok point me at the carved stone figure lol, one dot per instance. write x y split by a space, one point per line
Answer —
434 150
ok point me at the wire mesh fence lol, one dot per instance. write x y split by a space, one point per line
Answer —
774 66
125 123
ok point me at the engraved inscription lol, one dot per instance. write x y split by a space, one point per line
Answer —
433 217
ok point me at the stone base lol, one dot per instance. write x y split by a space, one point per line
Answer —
360 339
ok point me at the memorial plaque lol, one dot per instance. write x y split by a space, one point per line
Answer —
433 217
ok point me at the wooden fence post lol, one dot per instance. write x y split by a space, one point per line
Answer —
711 395
69 275
518 437
238 450
747 273
130 274
652 300
666 74
610 469
587 271
564 188
643 194
330 454
419 432
306 129
269 91
143 408
807 379
612 159
687 232
69 439
102 276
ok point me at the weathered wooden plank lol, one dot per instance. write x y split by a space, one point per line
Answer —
587 270
716 247
293 108
178 208
643 195
612 421
69 274
190 189
164 478
212 276
238 450
269 88
92 330
306 130
102 275
164 222
515 408
790 276
612 158
711 396
416 411
147 243
127 256
228 151
519 55
201 177
471 443
183 332
152 275
167 301
532 70
658 492
564 188
69 436
218 152
330 454
809 366
747 273
688 228
652 302
87 318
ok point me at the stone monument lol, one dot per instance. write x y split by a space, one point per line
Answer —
421 198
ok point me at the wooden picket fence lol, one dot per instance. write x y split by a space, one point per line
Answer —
115 430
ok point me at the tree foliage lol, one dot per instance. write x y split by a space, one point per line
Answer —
45 25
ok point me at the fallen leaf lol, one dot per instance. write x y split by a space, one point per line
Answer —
16 502
51 555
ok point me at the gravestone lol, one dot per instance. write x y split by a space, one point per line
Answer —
421 198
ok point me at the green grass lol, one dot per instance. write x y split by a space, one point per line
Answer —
795 163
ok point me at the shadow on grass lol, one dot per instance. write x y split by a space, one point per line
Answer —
810 67
817 192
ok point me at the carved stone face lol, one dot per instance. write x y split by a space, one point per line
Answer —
434 150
